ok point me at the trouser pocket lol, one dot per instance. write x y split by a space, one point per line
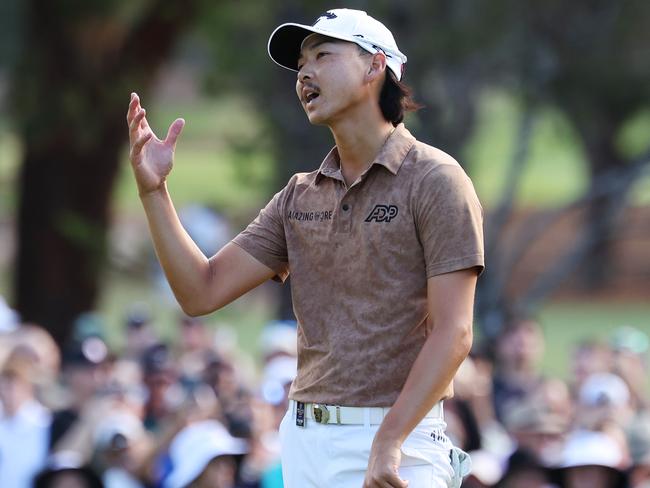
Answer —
461 464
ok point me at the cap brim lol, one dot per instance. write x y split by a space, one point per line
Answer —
285 42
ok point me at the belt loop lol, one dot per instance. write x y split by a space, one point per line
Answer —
338 415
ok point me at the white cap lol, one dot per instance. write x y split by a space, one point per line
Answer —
119 423
341 23
279 337
8 318
195 446
279 372
601 389
588 448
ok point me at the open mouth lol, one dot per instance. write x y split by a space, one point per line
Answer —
311 96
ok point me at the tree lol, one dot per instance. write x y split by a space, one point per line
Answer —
79 62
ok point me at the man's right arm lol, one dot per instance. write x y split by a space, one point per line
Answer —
201 285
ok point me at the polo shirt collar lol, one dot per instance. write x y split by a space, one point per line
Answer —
391 155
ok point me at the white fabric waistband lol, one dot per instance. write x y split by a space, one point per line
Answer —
336 414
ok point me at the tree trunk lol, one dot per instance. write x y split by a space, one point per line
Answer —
70 96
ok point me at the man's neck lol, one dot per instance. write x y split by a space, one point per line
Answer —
358 143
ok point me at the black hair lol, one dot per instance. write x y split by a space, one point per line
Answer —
395 98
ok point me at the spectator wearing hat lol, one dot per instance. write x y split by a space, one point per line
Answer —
140 333
537 430
604 402
279 338
519 349
24 421
9 318
164 394
121 444
588 357
83 375
638 437
630 350
201 456
524 470
194 349
65 470
592 460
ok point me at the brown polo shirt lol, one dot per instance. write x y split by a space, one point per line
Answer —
359 259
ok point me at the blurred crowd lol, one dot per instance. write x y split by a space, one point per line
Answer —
196 413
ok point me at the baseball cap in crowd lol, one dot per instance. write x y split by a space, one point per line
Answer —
279 337
278 373
585 448
601 389
8 318
195 446
531 417
638 438
89 352
345 24
629 339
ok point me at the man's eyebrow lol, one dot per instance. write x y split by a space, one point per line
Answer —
314 46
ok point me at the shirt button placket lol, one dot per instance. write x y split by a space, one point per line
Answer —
345 216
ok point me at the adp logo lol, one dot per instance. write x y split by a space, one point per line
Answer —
382 213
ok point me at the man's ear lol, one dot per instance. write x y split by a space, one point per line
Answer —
377 66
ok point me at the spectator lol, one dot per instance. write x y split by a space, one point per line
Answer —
639 442
525 471
121 442
194 349
588 357
140 333
537 430
604 399
630 348
518 351
202 457
84 374
278 338
164 393
592 460
24 422
65 471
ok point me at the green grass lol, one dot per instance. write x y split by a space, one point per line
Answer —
244 318
222 157
566 324
555 172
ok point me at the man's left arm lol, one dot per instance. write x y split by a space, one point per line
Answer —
450 301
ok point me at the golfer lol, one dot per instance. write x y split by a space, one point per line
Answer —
384 245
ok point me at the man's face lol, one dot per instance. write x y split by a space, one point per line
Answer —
332 79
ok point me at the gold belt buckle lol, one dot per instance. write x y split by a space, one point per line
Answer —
321 414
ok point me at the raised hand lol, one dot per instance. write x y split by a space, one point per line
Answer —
151 158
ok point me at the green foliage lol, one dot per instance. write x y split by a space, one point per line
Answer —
566 324
555 172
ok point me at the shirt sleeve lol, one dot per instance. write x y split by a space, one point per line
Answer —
449 219
265 240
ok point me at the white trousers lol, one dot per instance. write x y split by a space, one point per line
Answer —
336 456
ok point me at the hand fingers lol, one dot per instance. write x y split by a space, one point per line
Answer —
389 481
139 144
135 123
174 131
134 105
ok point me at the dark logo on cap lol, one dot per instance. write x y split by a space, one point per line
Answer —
326 16
382 213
